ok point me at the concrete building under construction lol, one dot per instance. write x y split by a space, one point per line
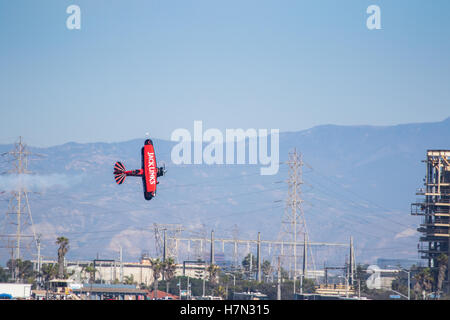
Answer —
435 210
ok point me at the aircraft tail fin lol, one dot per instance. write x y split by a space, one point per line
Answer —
119 172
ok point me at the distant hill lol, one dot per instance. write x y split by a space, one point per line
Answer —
359 181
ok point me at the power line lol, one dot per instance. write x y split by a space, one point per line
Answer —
348 213
342 188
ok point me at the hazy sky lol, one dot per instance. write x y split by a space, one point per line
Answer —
154 66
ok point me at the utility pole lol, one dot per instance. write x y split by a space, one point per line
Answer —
346 286
279 279
188 289
226 292
235 232
359 289
39 260
258 260
164 252
305 263
164 246
408 272
204 286
409 285
212 247
250 270
352 264
121 265
301 283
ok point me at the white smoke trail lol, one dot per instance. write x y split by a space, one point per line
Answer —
37 182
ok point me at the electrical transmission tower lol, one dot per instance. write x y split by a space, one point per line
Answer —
293 222
199 248
166 247
18 216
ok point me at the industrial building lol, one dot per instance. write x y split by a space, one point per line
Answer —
15 290
111 271
111 292
396 263
435 210
249 296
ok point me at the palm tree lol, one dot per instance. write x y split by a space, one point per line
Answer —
157 267
169 267
424 281
442 263
4 275
91 271
24 269
266 268
49 271
213 270
129 279
220 291
63 243
250 264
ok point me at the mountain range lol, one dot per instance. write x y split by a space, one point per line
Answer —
357 181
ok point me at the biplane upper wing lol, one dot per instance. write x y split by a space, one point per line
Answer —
150 170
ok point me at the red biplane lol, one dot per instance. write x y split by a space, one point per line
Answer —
149 172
